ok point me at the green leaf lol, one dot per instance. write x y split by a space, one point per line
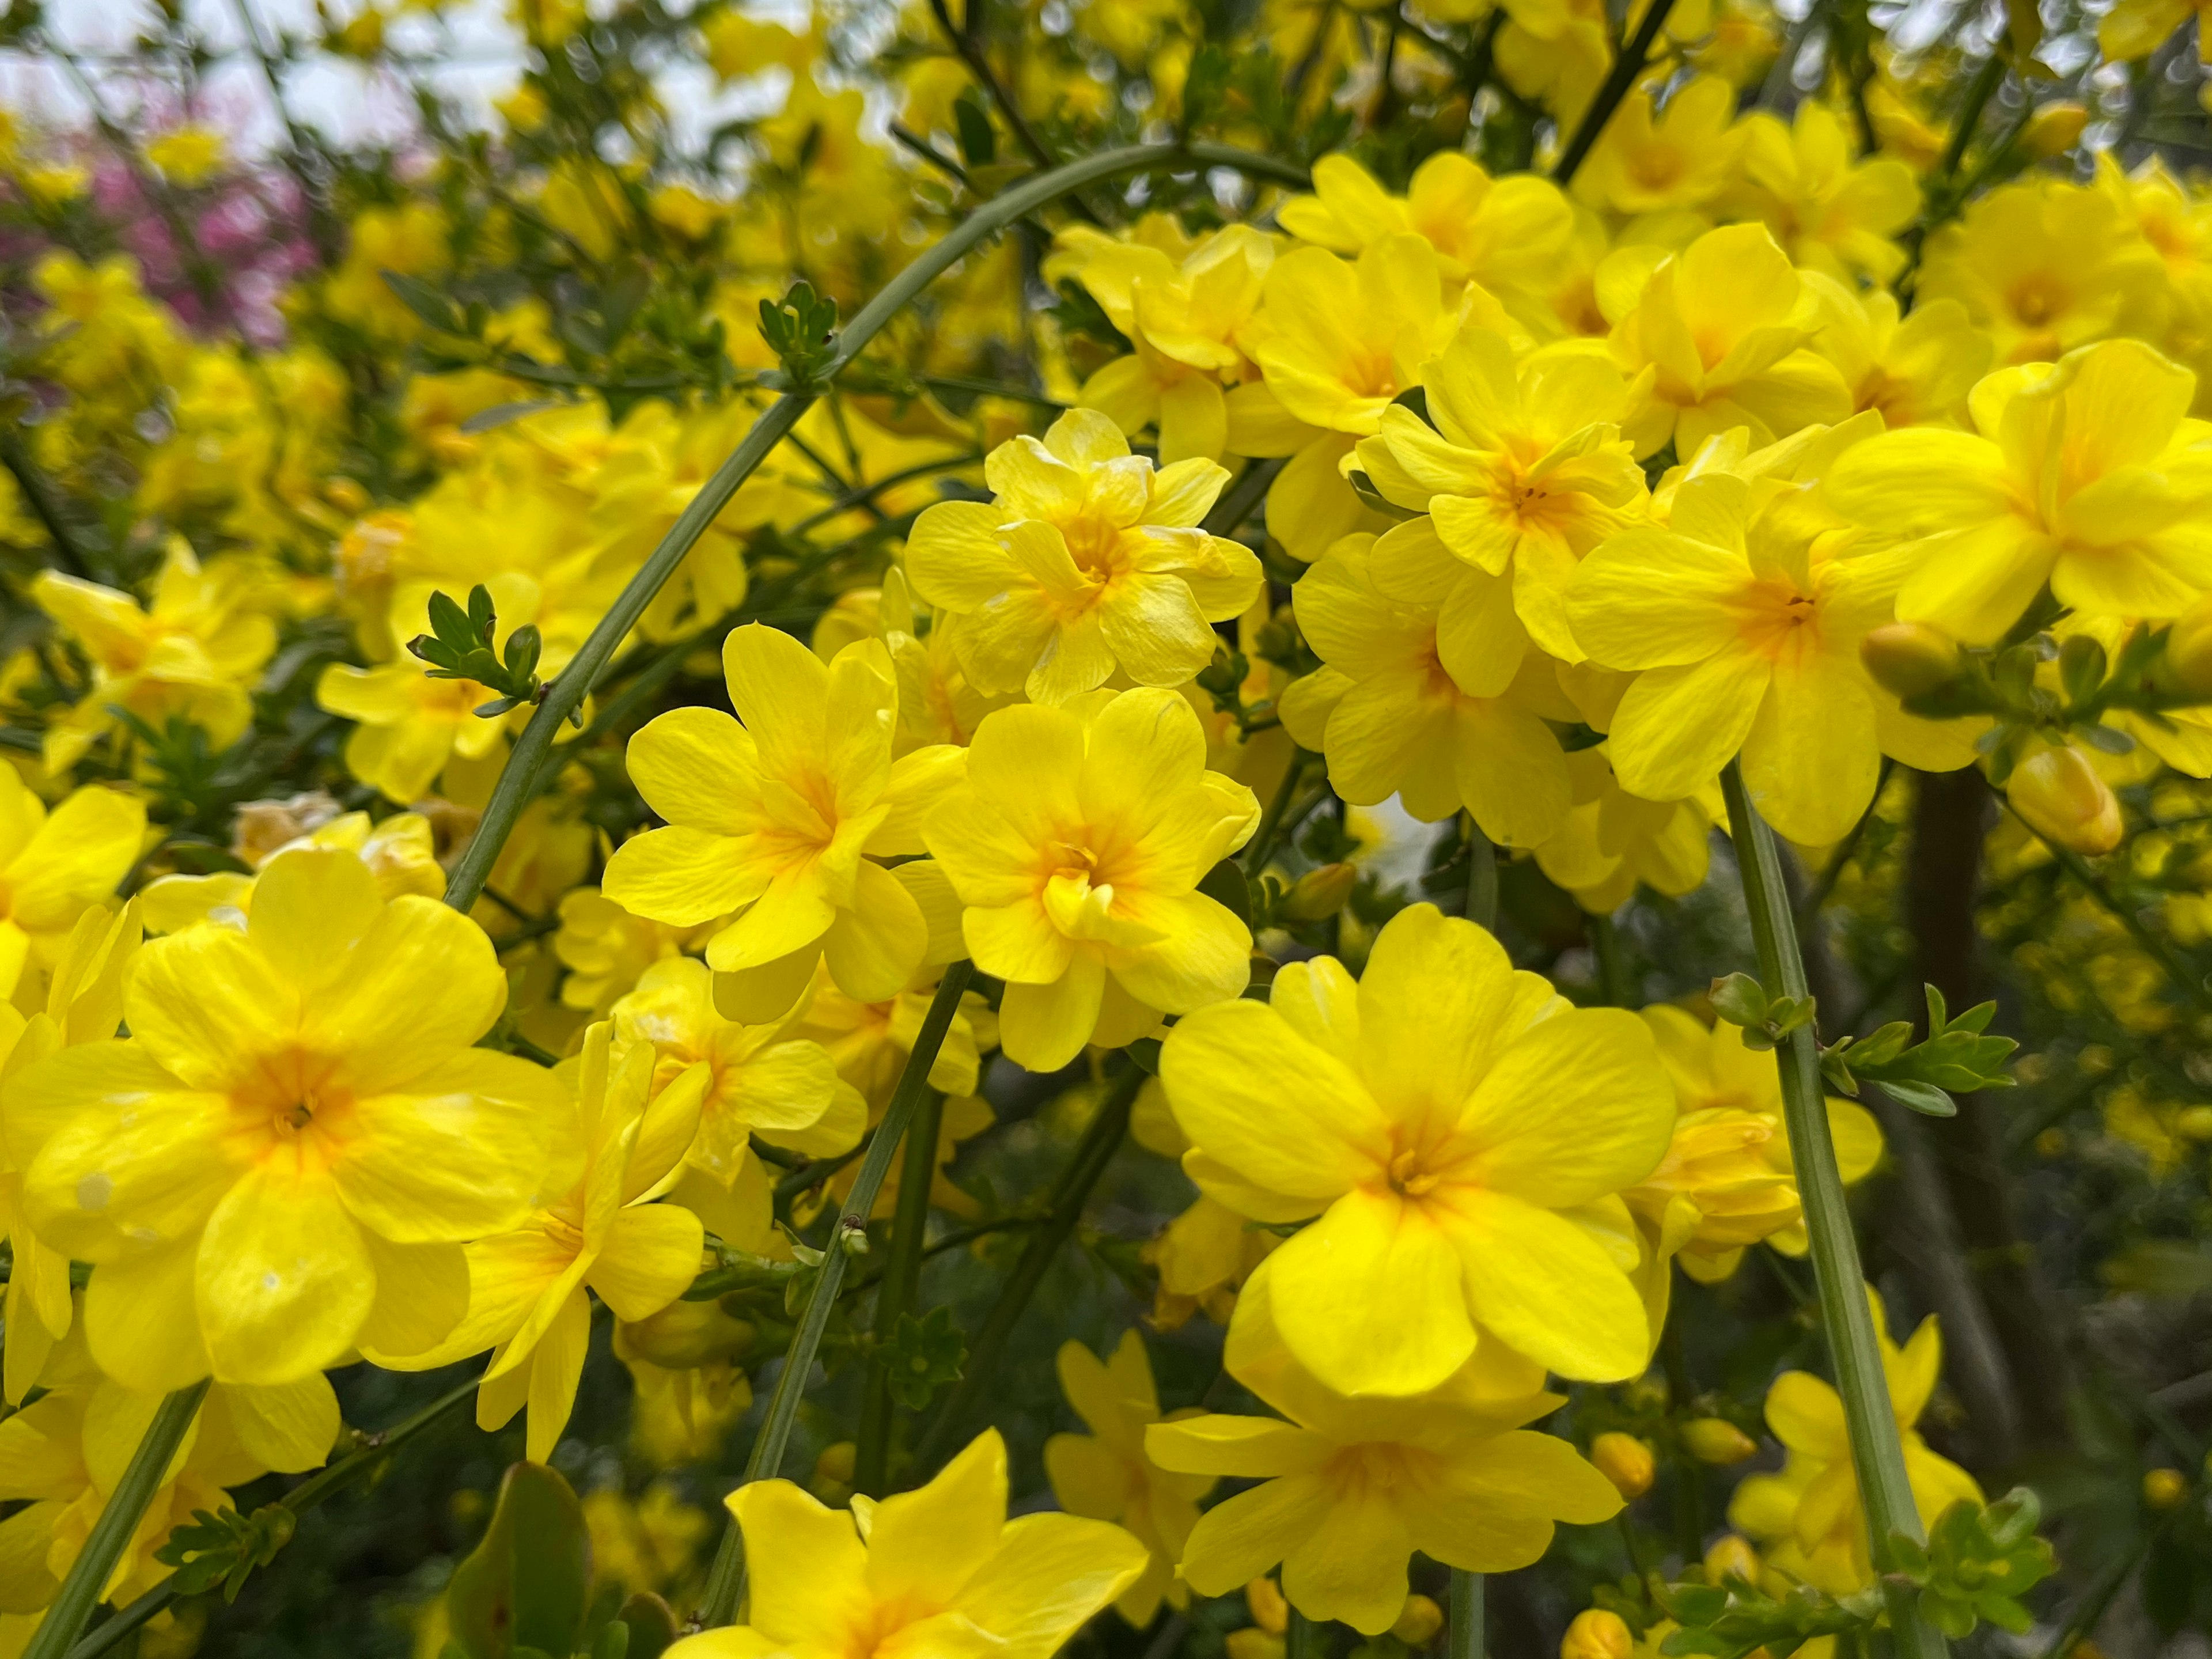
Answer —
979 145
652 1623
1226 885
1923 1097
527 1584
436 308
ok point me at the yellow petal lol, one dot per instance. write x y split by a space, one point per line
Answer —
1342 1286
283 1283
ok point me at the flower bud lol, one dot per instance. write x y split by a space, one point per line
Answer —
2059 795
2195 1123
1418 1620
2188 648
2162 1489
833 1472
1270 1612
1625 1460
2054 129
1715 1440
1597 1634
1909 658
1731 1556
1319 894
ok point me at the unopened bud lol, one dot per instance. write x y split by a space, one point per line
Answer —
1731 1556
1597 1634
2062 799
1909 658
2162 1489
2053 129
2188 648
1270 1612
2196 1123
1319 894
833 1472
1418 1620
1625 1460
1715 1440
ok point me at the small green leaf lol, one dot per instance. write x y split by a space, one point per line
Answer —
526 1584
1923 1097
1741 1000
923 1356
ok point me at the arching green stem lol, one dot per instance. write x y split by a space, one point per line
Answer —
517 779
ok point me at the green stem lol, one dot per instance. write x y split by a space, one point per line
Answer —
1300 1638
725 1582
1612 966
1877 1452
1237 502
1481 876
355 1465
901 1284
2189 983
45 505
1469 1616
1092 1154
1261 847
1626 68
517 779
118 1519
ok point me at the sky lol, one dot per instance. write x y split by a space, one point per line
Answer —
474 55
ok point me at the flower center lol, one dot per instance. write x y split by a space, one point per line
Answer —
1408 1179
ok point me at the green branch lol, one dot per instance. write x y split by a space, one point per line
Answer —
725 1582
1877 1452
118 1520
1092 1154
517 779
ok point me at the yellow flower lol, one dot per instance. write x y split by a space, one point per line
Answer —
606 949
54 867
1722 325
1412 702
1522 470
1555 52
400 853
66 1452
685 1363
2136 29
1811 1512
1713 1072
587 1230
1912 371
1337 342
1350 1488
1742 625
1610 840
84 1004
1503 234
743 1081
2045 266
189 154
281 1161
192 653
1460 1136
1183 318
1106 1474
1681 158
1077 843
938 1566
1084 561
777 816
1203 1258
1830 213
2088 474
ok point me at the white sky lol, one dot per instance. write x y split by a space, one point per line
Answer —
478 56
